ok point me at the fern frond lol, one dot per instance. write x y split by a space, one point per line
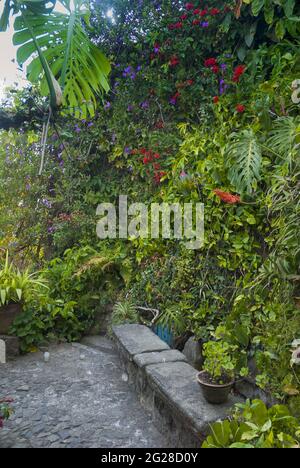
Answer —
245 159
100 263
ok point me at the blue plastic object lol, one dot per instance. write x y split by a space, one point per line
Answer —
164 334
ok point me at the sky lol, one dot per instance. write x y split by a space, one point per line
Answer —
9 72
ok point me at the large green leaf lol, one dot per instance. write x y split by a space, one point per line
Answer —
245 161
4 20
64 47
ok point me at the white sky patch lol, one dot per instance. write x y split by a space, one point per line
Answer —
9 69
110 15
10 73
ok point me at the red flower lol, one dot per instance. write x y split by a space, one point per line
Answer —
143 151
189 6
215 69
228 197
214 11
238 72
157 156
159 124
216 99
146 160
190 82
240 108
158 176
196 22
178 25
203 13
174 61
184 17
210 62
197 11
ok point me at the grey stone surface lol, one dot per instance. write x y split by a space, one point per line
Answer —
12 345
177 382
168 388
138 339
2 352
69 402
193 353
248 389
145 359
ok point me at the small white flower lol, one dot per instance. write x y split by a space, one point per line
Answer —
296 357
296 344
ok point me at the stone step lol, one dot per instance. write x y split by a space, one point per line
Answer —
167 386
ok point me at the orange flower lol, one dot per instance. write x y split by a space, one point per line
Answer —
227 197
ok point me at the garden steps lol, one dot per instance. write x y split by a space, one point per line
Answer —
167 386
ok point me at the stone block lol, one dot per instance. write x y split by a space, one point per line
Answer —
137 339
12 345
2 352
146 359
177 385
193 353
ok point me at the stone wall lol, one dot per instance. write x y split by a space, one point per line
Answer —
167 386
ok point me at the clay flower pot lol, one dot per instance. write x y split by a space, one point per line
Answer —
8 314
214 393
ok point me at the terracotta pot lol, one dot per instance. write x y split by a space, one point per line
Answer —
8 314
213 393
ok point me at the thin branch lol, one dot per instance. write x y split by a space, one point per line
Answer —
44 141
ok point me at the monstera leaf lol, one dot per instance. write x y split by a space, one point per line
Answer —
60 53
245 158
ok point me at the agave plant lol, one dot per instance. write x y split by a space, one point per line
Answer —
59 52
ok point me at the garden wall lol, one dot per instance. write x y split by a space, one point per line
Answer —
167 386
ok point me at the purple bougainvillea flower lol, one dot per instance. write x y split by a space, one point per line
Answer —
173 101
223 66
139 68
77 129
46 203
205 24
133 76
127 150
107 105
127 71
130 108
145 105
90 124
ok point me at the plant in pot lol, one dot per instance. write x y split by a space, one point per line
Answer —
217 377
16 289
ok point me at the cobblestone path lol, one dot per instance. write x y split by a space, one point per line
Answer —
77 399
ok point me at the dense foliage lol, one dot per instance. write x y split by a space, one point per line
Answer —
200 109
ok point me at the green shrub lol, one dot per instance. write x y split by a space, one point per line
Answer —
17 286
253 425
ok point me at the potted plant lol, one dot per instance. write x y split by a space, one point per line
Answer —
217 377
16 288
